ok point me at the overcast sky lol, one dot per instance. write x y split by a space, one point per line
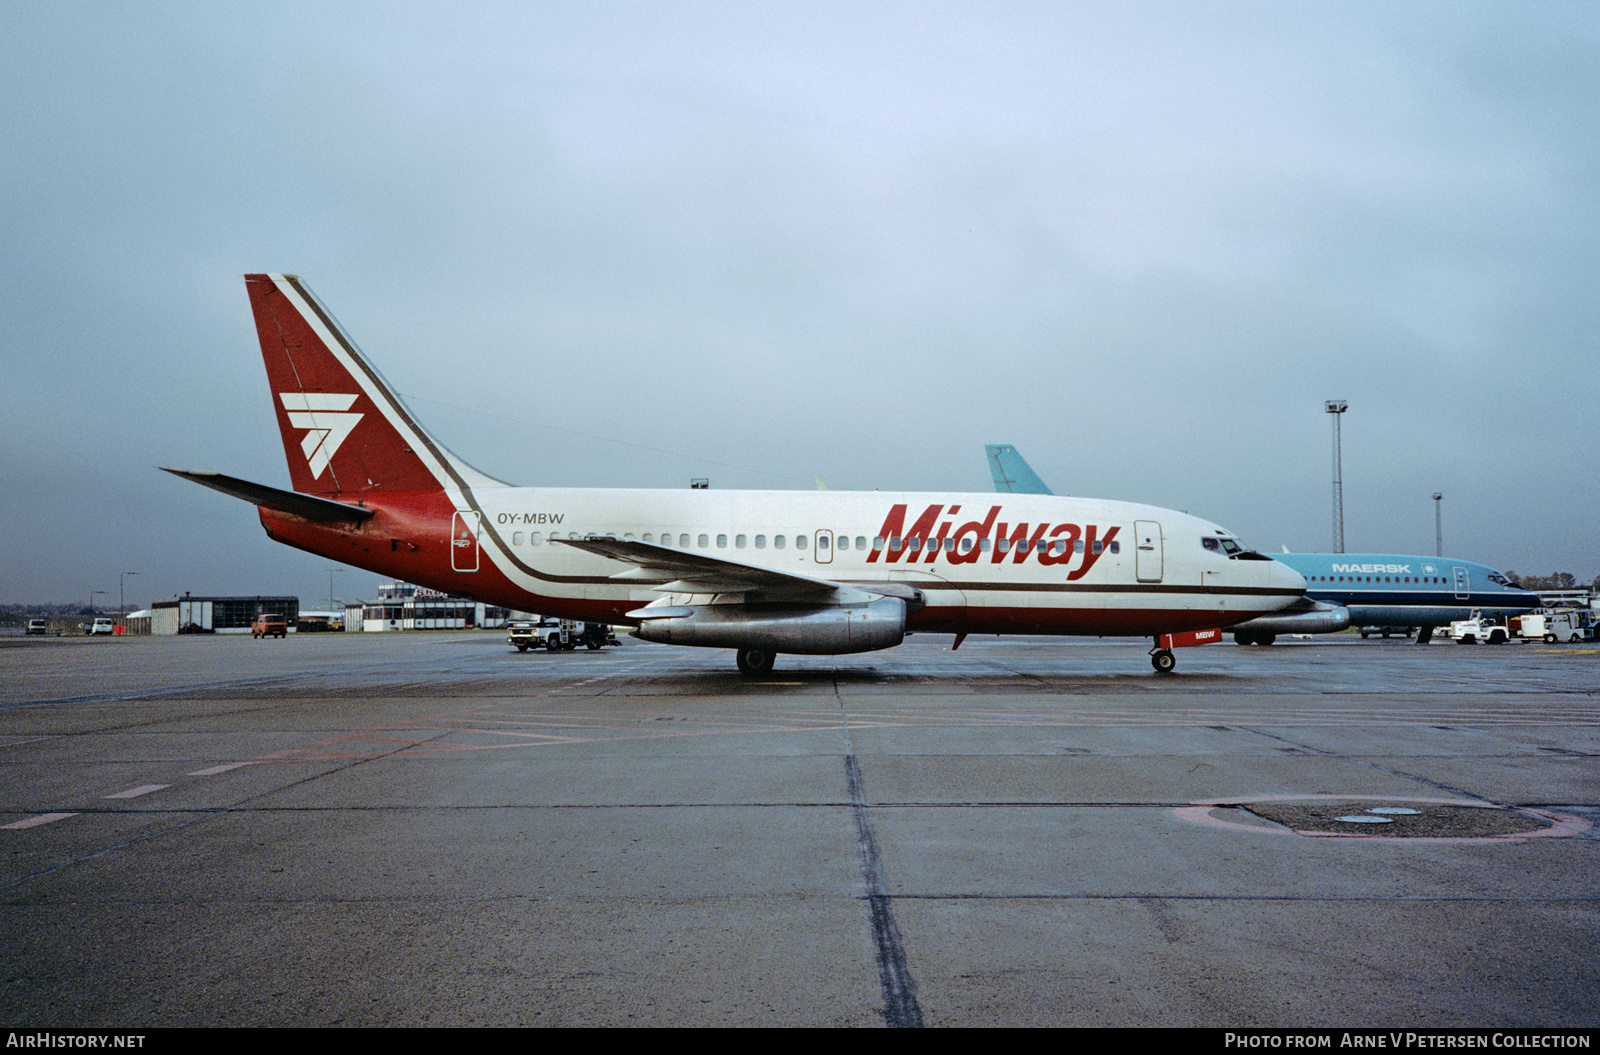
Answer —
627 244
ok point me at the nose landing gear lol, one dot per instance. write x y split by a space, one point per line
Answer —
1163 660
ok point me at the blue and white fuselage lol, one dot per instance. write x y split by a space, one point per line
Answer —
1389 589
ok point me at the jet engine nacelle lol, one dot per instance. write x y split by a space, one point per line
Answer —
1325 619
818 630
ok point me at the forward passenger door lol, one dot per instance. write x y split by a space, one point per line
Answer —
1147 554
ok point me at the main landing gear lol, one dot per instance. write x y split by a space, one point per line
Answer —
755 661
1163 660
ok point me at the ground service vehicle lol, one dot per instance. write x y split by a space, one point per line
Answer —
757 572
102 624
38 626
1563 624
1479 628
269 626
522 634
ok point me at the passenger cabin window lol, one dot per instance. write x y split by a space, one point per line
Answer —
777 542
683 540
738 542
705 540
799 542
761 542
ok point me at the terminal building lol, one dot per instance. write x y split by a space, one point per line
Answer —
402 606
219 615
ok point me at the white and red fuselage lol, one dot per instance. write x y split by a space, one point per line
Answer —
965 563
1068 566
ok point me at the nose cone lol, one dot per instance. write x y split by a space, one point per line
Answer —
1287 579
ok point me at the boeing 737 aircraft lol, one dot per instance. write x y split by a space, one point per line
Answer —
761 572
1346 589
1386 589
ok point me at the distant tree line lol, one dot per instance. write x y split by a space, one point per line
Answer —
1558 580
13 615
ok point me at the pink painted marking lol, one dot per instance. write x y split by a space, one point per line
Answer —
142 789
43 818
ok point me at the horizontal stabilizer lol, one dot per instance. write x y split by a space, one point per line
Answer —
307 507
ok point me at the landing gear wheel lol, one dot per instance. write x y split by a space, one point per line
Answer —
1241 638
1163 661
755 661
1266 639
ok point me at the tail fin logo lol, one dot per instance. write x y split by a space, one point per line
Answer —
323 416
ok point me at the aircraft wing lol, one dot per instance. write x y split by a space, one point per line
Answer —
690 572
1012 475
308 507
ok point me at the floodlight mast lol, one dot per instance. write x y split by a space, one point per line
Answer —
1337 407
1438 525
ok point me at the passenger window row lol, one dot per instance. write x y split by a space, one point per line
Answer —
686 540
1415 579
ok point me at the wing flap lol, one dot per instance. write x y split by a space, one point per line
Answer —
678 571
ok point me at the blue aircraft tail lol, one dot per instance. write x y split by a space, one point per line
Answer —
1011 473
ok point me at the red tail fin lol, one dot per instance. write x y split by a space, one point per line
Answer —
344 430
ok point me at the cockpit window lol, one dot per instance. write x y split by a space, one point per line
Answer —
1222 544
1497 578
1211 544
